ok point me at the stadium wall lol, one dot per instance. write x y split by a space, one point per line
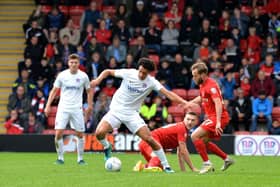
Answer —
121 142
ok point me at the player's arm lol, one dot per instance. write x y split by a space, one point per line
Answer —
106 73
172 96
196 100
90 103
183 154
219 108
181 160
50 100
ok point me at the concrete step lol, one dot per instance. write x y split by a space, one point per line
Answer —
12 34
10 67
22 2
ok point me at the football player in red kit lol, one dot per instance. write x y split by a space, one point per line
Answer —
169 137
216 118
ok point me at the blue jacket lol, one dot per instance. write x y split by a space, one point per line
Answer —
228 88
264 106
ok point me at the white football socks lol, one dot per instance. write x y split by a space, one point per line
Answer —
80 148
59 148
161 155
105 143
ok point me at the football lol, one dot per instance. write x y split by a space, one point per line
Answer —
113 164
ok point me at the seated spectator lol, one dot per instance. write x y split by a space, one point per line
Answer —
20 102
139 17
275 129
37 15
253 40
93 47
12 124
64 49
51 47
73 33
245 85
262 108
203 51
26 64
58 67
87 34
139 50
209 9
82 56
165 73
38 103
276 79
262 82
239 20
231 55
35 30
130 62
117 51
217 75
174 15
109 89
235 36
267 66
259 21
215 61
224 27
181 75
247 70
108 21
241 111
153 37
91 15
206 31
101 107
45 71
269 48
103 35
122 14
34 51
122 32
169 37
43 85
55 19
26 82
32 126
274 25
95 66
228 84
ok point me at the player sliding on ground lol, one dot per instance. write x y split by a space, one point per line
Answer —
169 137
217 118
126 102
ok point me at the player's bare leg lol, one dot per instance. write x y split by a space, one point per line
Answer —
145 134
80 148
102 129
199 137
58 140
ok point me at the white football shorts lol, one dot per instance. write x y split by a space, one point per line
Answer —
75 117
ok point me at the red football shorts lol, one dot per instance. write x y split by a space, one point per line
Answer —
209 125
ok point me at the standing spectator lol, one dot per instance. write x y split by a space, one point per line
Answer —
169 37
262 108
139 50
153 37
241 111
92 16
117 51
262 82
240 21
73 33
12 124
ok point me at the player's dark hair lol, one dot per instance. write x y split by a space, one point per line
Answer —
147 64
193 114
201 67
73 57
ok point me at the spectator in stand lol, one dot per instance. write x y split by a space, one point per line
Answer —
112 63
228 84
241 111
274 26
215 61
122 14
109 89
55 19
207 32
267 66
92 16
58 67
35 30
122 32
103 35
174 15
51 47
239 20
276 79
181 76
139 17
26 64
64 49
262 108
217 75
153 37
108 20
93 47
95 66
209 9
45 71
224 26
32 126
12 124
275 129
82 56
235 36
43 85
259 22
169 37
117 51
253 40
101 107
73 33
34 51
139 50
20 102
38 104
203 51
231 55
26 82
262 82
247 70
159 7
87 34
269 48
165 73
245 85
130 62
37 15
189 24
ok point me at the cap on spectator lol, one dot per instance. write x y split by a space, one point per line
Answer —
140 2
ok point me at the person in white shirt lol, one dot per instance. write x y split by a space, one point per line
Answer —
126 102
71 83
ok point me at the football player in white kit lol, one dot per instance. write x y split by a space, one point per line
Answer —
126 102
71 83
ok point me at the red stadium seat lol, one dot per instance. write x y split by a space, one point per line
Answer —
155 58
181 92
48 131
192 93
64 9
246 10
76 20
276 113
176 111
46 9
76 10
111 10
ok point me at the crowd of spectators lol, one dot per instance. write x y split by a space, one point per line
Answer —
238 40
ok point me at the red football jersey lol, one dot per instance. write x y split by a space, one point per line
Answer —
169 136
210 90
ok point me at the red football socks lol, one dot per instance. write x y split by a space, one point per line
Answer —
201 149
216 150
154 162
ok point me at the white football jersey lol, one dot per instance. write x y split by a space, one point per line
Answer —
132 91
72 87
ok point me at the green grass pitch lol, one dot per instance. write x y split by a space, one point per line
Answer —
38 169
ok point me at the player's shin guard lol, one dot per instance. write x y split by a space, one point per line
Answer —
59 148
162 157
105 143
216 150
80 148
201 149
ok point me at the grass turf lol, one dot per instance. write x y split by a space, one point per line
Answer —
38 169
